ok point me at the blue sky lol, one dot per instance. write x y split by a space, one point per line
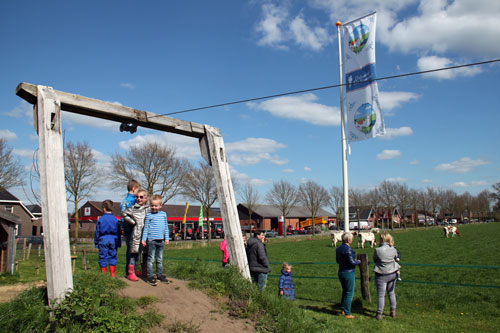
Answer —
159 56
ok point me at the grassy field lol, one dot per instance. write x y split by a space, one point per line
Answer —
449 285
444 297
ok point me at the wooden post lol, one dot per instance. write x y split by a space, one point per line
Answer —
37 269
39 250
17 265
47 121
24 249
212 150
365 277
73 263
29 251
84 259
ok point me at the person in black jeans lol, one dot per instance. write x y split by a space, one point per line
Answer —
257 259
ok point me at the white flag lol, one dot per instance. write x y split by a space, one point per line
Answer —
364 116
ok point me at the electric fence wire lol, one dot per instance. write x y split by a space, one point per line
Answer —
327 87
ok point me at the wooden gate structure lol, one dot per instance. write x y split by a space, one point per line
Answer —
48 104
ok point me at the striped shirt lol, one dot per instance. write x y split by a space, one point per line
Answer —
155 226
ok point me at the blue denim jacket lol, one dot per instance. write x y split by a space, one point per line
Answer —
346 258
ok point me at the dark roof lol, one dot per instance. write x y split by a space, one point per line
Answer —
6 195
364 212
273 211
34 209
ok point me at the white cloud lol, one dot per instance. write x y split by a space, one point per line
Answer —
303 180
7 135
414 162
277 28
128 86
388 154
391 133
22 110
308 169
23 152
252 151
472 183
243 178
460 184
433 62
463 165
288 170
427 181
390 100
301 107
397 179
101 156
186 147
70 118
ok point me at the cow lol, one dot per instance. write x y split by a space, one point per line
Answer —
365 237
375 230
451 230
336 237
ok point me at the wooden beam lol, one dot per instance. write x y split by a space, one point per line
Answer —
114 112
217 159
53 194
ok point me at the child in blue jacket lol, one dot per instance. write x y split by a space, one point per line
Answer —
107 238
287 289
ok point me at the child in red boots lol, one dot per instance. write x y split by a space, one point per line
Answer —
107 238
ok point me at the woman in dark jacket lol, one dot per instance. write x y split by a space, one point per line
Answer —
347 264
257 260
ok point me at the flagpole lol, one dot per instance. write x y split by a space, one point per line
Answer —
344 144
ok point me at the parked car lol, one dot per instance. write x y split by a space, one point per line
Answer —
270 233
453 221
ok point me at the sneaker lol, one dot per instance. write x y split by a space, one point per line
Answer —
393 313
349 316
163 279
151 281
400 279
378 316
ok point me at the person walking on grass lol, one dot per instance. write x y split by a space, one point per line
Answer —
287 290
107 238
155 236
257 259
134 216
347 264
386 273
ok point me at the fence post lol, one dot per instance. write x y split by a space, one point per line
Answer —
29 251
39 249
37 269
365 277
17 265
84 259
24 249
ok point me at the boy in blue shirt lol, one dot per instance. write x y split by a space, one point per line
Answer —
155 236
107 238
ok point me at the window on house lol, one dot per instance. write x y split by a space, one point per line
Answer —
10 209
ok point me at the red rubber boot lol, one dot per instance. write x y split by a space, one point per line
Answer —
112 270
104 269
131 273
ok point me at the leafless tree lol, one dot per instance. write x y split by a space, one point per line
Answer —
387 190
11 170
414 202
284 196
81 174
313 196
424 204
433 197
403 201
373 200
336 203
155 166
357 198
481 204
199 185
495 195
249 197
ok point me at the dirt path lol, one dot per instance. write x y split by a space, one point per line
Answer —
9 292
190 306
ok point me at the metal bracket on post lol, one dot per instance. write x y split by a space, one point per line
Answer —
216 154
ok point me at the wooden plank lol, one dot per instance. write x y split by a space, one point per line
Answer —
53 195
225 193
115 112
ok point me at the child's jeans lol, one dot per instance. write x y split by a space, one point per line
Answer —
155 253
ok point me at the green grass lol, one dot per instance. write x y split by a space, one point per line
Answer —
422 305
428 298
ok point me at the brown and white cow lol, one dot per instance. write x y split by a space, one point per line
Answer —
451 230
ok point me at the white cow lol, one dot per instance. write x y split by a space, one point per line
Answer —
375 230
336 237
366 237
451 230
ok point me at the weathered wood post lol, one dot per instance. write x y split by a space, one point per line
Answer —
47 121
24 249
37 269
84 259
29 251
212 150
365 277
39 250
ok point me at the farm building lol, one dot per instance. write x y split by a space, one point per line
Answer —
266 217
90 212
29 224
8 226
367 217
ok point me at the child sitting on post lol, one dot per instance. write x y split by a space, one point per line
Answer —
155 235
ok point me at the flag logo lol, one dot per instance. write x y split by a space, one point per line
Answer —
365 118
358 38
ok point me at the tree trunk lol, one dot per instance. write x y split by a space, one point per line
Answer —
77 221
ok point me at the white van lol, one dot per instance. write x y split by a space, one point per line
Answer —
354 225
